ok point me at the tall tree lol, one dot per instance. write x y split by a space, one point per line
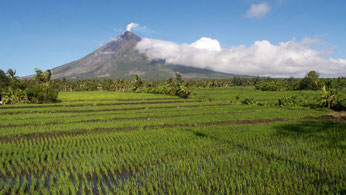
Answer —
310 81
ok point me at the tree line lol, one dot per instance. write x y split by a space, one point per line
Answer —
311 81
42 89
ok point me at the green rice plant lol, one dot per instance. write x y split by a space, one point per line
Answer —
238 149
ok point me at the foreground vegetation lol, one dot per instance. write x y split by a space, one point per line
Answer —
40 89
108 142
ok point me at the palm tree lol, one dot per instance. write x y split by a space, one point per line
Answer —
39 75
138 83
43 77
46 77
11 73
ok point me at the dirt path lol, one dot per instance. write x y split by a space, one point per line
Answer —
335 117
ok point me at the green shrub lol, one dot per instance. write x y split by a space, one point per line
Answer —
176 88
41 94
249 101
331 99
292 101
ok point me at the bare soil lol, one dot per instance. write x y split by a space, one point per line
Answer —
335 117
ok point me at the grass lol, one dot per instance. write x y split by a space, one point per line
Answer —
214 145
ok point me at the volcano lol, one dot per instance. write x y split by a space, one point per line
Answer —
119 59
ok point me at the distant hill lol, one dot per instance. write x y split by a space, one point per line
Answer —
119 60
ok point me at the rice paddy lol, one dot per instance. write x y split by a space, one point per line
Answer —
109 142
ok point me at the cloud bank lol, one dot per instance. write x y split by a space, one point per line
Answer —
263 58
258 10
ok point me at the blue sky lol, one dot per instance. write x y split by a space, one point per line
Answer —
48 33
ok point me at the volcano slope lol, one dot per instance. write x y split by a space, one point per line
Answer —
118 59
108 142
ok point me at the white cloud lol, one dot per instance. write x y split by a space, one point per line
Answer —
263 58
207 43
258 10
